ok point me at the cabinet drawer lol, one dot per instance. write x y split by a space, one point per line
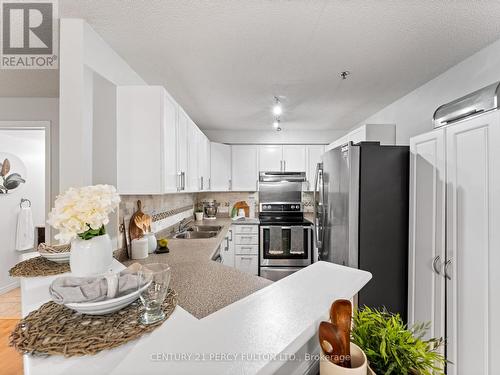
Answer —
247 263
246 239
247 249
246 229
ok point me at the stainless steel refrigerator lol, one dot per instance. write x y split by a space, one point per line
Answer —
361 218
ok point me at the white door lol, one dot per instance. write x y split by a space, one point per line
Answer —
294 158
192 172
220 167
473 245
203 153
313 157
170 145
426 288
244 168
182 150
270 158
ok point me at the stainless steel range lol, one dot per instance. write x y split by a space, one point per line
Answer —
286 238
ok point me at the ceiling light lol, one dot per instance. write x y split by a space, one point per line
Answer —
345 74
276 123
277 109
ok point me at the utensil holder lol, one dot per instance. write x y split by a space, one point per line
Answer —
359 364
198 216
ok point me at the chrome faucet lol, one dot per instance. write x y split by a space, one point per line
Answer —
184 224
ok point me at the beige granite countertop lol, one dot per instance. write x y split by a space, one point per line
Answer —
204 286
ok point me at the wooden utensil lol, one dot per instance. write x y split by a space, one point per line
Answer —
332 344
136 228
340 316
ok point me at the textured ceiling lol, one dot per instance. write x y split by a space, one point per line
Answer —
224 60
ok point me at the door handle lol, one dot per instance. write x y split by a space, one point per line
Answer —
434 265
446 264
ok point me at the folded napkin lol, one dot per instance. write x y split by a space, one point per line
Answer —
94 289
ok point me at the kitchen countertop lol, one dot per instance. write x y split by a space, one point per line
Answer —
205 286
270 331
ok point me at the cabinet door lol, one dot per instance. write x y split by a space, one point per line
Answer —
220 167
244 169
313 157
170 145
426 288
294 158
182 150
140 134
227 252
473 245
203 161
247 263
270 158
192 172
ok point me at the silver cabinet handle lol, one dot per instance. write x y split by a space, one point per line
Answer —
434 264
446 264
201 183
284 165
227 243
179 181
231 232
183 175
257 185
281 165
230 187
210 183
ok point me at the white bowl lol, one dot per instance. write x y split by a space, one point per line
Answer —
108 306
56 257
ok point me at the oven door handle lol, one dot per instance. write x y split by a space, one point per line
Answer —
287 227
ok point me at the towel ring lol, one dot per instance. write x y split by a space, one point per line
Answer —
24 200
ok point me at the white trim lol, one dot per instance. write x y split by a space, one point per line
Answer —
9 287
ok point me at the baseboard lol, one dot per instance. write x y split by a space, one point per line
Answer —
9 287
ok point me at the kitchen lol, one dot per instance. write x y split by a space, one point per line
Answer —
317 176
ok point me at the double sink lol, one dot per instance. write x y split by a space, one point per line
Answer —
199 231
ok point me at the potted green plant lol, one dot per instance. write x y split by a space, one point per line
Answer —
393 348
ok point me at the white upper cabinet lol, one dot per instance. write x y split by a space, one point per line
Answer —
220 167
270 158
182 149
383 133
203 161
145 126
294 158
192 172
245 167
313 157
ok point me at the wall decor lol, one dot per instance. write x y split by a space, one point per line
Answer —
12 173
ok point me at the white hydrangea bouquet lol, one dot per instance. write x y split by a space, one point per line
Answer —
83 212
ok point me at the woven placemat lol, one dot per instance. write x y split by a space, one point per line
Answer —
38 266
56 330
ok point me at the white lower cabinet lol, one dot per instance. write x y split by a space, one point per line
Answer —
227 249
240 248
247 263
456 285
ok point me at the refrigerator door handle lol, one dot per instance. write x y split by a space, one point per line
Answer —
317 213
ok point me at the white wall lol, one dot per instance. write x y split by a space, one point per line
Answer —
413 113
83 53
274 137
29 146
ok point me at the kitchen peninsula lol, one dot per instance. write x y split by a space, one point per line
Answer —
248 325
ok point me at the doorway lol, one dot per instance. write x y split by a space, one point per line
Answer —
24 182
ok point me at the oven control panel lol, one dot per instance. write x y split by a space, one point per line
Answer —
281 207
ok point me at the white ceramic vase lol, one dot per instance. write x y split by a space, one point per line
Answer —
91 257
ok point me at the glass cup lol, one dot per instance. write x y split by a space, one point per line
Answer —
157 275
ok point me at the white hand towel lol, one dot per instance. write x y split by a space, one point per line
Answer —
25 236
